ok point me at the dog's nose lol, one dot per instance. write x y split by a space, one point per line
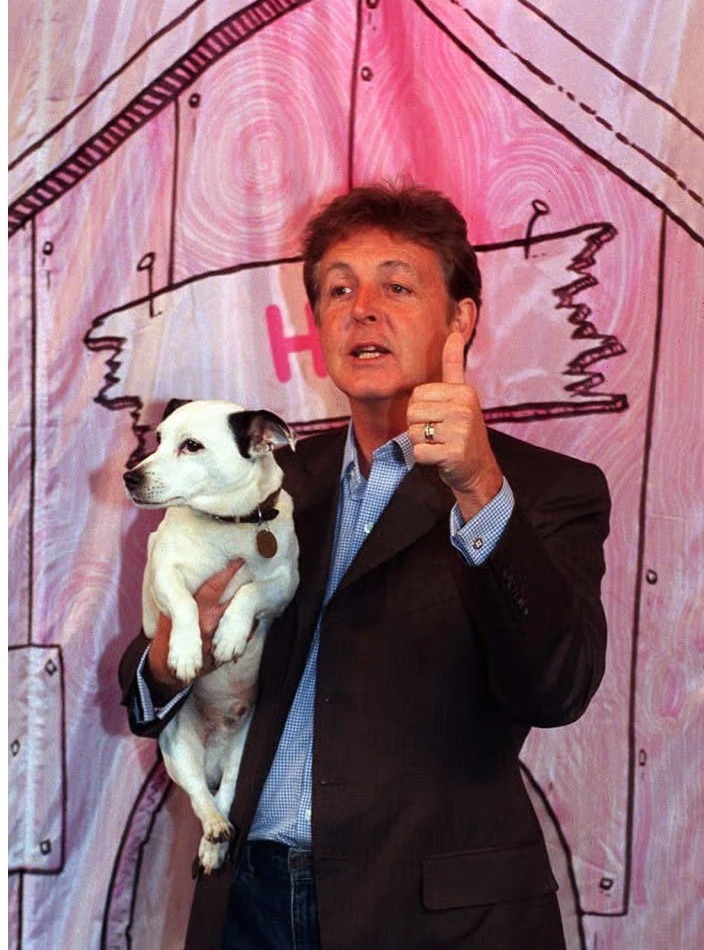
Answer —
133 479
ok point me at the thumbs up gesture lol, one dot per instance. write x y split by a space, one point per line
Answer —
447 429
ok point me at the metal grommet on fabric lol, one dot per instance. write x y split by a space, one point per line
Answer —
429 431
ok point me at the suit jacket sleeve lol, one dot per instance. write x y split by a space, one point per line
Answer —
127 675
541 622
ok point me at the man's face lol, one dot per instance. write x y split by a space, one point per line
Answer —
384 313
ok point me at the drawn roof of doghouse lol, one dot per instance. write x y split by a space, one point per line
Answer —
641 137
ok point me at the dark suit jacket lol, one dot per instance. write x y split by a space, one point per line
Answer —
430 674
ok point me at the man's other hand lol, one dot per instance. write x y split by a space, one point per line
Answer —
211 607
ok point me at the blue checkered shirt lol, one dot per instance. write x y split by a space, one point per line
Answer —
284 810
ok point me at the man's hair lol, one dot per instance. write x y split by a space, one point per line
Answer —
409 212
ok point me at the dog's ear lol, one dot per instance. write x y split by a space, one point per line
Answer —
258 432
172 405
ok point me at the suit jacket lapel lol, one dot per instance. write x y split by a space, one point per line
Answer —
421 500
314 485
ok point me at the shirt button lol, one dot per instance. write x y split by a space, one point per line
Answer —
368 527
309 814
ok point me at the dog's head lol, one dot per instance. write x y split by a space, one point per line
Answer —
212 455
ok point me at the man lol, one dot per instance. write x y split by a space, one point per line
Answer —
449 600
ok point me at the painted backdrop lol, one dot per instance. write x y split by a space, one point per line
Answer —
164 157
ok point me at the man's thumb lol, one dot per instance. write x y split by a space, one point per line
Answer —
453 358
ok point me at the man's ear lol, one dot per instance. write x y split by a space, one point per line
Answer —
172 405
465 318
259 431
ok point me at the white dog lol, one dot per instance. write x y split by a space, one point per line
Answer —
215 472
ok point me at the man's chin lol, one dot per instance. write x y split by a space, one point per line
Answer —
390 401
372 393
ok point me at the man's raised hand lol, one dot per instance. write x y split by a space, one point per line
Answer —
459 446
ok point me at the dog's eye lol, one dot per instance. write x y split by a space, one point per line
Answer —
190 446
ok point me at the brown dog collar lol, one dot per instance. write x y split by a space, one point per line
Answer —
267 511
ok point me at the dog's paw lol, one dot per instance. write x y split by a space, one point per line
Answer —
211 856
216 829
230 641
185 663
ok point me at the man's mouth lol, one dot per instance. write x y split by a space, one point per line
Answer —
369 351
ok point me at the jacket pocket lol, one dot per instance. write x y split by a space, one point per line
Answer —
486 876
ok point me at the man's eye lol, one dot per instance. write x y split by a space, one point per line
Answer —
399 289
339 291
190 446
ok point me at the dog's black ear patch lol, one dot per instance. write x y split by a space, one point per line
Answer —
172 405
259 431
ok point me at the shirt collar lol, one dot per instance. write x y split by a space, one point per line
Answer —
400 448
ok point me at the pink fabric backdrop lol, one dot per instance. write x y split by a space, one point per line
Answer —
164 157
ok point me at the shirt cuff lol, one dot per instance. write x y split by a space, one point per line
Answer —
143 705
476 539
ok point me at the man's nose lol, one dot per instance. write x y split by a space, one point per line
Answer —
365 308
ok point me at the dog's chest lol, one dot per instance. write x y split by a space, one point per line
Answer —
204 539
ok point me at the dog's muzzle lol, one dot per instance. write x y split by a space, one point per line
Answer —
133 480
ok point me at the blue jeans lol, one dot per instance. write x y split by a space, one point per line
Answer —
272 903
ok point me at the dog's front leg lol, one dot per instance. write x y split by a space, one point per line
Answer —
233 632
185 649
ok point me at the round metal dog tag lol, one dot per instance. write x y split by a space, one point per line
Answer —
266 543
